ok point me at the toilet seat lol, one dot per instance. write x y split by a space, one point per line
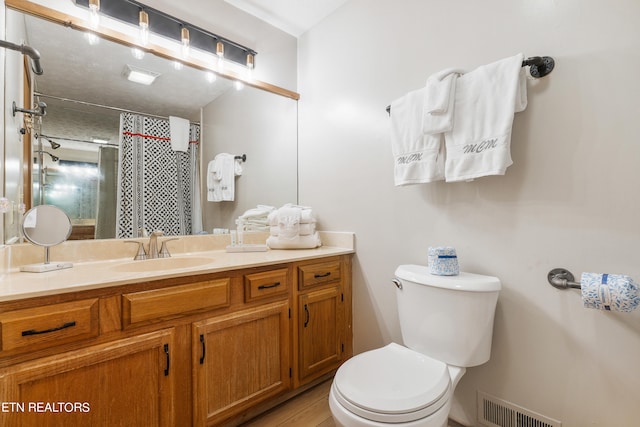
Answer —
392 384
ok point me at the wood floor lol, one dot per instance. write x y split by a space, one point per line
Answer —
309 409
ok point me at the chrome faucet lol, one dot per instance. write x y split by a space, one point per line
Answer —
153 243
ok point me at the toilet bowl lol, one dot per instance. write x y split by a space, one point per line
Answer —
412 390
446 324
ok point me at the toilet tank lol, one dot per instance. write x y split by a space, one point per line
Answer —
449 318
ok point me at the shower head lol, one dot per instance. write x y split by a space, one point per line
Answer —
54 158
54 145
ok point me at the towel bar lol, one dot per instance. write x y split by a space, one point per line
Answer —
539 66
243 157
562 279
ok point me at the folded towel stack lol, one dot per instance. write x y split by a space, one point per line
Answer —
614 292
293 227
256 219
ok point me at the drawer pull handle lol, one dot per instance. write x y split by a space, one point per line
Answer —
46 331
275 285
320 276
204 349
166 351
307 315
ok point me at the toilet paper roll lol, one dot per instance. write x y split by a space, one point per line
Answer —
443 261
611 292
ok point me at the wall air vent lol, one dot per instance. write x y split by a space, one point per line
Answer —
494 412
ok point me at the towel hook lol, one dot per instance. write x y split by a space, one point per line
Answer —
242 157
561 278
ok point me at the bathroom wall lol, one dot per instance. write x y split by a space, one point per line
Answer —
263 126
569 200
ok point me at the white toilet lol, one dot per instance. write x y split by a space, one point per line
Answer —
447 326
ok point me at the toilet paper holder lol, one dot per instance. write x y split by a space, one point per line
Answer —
561 278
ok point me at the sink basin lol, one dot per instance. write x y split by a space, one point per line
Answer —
161 264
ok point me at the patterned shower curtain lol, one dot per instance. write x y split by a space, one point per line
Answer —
158 188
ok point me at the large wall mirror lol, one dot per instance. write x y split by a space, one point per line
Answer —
86 92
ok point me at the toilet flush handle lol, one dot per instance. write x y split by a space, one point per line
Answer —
397 283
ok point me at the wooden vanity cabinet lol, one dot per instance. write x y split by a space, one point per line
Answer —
240 360
203 350
324 318
127 382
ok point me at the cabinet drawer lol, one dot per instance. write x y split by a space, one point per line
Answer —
156 304
265 284
50 325
318 274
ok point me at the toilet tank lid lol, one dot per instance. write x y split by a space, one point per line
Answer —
462 282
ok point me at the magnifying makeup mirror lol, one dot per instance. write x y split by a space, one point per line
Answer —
46 226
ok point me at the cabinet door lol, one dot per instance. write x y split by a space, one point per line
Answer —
122 383
320 333
239 360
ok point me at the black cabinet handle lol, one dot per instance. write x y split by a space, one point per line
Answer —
275 285
204 349
307 315
166 351
46 331
319 276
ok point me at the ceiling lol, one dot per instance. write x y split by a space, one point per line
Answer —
292 16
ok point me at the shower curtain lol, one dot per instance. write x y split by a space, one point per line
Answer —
158 188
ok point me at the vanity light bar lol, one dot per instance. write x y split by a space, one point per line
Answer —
129 11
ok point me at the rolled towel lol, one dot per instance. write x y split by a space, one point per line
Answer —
300 242
614 292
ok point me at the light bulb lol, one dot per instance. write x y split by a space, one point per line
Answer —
184 37
211 77
94 15
144 28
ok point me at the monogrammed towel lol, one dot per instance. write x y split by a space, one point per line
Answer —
485 102
418 157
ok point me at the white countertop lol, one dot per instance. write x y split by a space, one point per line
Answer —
15 285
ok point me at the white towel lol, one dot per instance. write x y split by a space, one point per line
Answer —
306 214
289 222
179 131
439 97
485 102
300 242
304 229
418 157
221 173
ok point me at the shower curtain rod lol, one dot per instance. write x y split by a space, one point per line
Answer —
108 107
84 141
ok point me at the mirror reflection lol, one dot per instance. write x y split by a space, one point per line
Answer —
92 108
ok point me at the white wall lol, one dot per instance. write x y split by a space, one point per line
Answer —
263 126
569 200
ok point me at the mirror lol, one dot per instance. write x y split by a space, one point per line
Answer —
85 92
46 226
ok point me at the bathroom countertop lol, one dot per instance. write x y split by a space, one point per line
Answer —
16 285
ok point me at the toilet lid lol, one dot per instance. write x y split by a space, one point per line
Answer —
392 384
